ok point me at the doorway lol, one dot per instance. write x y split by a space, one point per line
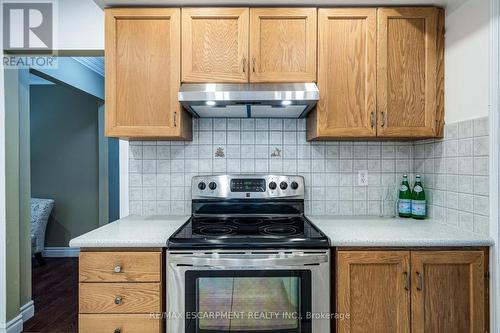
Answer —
63 156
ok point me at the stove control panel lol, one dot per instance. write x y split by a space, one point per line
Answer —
248 187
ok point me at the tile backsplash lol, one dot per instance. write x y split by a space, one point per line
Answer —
456 175
160 172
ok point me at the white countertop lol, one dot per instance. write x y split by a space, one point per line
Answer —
376 231
132 231
154 231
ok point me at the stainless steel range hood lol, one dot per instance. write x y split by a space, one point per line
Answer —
249 100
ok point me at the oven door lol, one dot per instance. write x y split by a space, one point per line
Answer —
257 292
248 301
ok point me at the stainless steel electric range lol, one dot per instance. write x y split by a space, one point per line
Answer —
248 260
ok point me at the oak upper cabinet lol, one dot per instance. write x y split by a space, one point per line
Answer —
380 73
143 74
346 74
215 44
373 286
283 44
407 72
448 292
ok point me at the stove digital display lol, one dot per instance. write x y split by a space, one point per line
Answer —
248 185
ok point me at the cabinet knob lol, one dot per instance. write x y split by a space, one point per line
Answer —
118 268
118 300
372 119
244 64
118 330
253 64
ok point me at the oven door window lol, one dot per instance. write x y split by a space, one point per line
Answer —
248 301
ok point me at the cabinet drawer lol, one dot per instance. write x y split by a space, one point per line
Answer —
120 266
124 323
120 297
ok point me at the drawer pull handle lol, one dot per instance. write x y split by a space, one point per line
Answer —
118 269
118 330
118 300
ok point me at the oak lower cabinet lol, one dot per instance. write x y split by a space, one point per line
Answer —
143 74
448 293
412 291
372 286
380 73
121 291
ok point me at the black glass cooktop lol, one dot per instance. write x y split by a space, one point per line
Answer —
294 231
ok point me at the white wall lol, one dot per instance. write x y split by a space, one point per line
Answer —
80 25
467 61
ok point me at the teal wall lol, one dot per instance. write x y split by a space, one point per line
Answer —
24 188
17 172
12 88
64 159
87 88
73 73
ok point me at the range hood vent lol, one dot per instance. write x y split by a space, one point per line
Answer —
249 100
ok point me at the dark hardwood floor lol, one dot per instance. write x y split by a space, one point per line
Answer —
55 293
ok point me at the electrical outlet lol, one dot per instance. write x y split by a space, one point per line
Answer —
362 177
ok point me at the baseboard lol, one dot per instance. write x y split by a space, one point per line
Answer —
16 325
12 326
27 310
57 252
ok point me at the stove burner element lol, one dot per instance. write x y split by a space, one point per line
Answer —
279 230
283 220
248 222
219 230
248 212
208 221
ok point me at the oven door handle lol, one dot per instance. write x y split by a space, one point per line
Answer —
235 261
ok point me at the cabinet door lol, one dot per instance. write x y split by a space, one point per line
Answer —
283 44
143 74
346 74
373 286
407 66
448 292
215 44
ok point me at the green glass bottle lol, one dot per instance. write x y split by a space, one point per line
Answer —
418 202
404 202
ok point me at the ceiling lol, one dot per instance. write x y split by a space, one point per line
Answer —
36 80
170 3
94 63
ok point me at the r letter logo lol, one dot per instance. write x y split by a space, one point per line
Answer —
28 26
